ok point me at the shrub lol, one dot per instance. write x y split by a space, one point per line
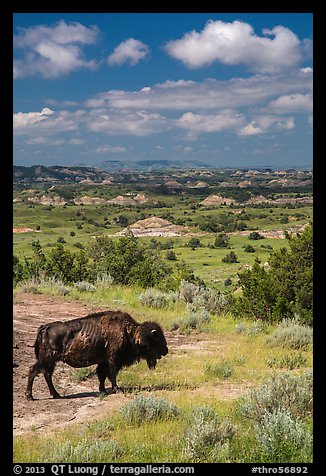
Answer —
85 451
291 334
221 370
30 286
56 285
84 286
128 262
254 235
191 321
153 298
207 435
285 289
284 220
249 249
230 258
199 298
222 241
194 243
253 329
187 291
103 280
281 391
288 361
143 408
170 255
282 438
211 300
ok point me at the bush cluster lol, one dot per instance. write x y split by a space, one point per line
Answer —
288 361
86 451
124 260
154 298
199 298
282 438
285 289
284 390
143 408
193 320
221 370
290 334
257 327
207 435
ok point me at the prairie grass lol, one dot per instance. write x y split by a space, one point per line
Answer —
291 334
186 378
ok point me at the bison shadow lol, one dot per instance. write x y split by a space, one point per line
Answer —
130 389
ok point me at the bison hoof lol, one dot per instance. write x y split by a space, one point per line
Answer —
116 390
103 393
56 395
30 398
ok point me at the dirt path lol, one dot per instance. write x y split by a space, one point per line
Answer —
79 402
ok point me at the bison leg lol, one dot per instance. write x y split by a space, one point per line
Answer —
102 371
112 375
33 371
48 372
36 369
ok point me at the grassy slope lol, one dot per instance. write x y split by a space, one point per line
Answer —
206 262
180 378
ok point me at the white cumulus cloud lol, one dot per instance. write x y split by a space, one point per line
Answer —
22 120
293 102
208 95
53 51
279 49
130 51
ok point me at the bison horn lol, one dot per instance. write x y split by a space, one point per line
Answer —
153 331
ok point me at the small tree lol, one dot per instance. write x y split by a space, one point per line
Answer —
254 235
286 289
230 258
228 282
194 243
249 249
170 255
222 241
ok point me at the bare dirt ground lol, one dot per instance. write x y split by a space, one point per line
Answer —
79 402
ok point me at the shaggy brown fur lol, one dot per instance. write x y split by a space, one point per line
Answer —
110 339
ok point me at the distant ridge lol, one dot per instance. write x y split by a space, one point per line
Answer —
56 173
147 165
97 172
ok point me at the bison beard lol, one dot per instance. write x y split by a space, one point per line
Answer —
110 339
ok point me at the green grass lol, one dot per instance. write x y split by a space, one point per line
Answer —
186 377
194 373
60 222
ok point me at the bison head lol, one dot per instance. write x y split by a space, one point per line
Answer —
152 343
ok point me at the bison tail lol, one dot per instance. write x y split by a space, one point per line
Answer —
38 340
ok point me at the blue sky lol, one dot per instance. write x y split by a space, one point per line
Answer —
225 89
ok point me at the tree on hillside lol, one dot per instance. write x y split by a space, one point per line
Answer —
222 241
230 258
286 289
127 261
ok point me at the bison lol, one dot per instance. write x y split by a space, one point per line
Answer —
110 339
